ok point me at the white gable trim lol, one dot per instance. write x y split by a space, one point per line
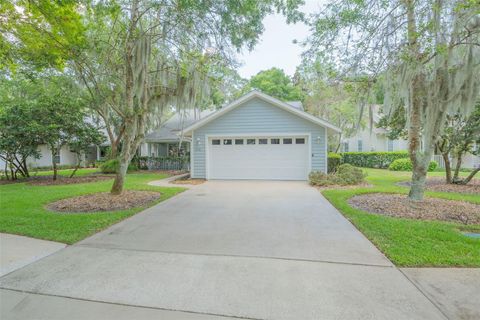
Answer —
267 98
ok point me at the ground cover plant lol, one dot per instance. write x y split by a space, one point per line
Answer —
23 207
409 242
345 175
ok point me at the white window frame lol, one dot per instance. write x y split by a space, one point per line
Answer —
360 145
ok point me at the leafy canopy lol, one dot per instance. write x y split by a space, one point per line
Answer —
275 83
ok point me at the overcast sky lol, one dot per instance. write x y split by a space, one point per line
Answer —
276 47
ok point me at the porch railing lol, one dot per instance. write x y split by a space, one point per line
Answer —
164 163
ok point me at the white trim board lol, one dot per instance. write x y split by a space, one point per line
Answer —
267 98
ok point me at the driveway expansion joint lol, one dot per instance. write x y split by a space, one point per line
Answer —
130 305
235 256
425 295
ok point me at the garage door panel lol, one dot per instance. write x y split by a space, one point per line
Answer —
259 161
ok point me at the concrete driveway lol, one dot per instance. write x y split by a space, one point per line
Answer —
244 249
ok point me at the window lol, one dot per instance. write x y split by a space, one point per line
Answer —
227 142
390 145
345 147
275 141
262 141
216 142
238 141
300 141
250 141
359 145
287 140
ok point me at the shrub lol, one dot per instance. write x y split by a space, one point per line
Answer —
111 166
333 161
346 174
373 159
406 165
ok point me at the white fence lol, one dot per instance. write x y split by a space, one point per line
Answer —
439 159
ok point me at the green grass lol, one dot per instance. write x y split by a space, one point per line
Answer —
407 242
22 208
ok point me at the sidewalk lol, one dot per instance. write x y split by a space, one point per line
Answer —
18 251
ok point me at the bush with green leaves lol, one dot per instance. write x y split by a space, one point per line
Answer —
346 174
406 165
333 160
111 166
373 159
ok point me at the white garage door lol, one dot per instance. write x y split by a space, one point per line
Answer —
268 158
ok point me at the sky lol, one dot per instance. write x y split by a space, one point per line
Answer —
276 47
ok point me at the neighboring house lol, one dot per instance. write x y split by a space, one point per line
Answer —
166 140
375 139
64 158
372 139
259 137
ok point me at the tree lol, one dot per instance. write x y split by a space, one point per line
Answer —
137 58
84 136
459 136
275 83
19 132
335 101
61 116
427 50
19 138
159 55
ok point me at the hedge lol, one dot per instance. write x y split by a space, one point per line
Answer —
334 160
111 166
373 159
406 165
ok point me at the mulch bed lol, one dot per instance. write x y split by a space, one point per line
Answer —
187 180
395 205
438 184
104 201
61 180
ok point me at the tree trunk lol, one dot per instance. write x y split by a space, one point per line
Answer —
339 143
419 159
448 168
6 169
419 172
79 161
131 120
54 164
25 166
470 176
458 166
117 187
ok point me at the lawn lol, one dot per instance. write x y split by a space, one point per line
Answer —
411 243
22 207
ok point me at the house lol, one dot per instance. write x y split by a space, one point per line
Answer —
373 139
258 137
168 139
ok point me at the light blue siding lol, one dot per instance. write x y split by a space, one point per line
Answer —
258 116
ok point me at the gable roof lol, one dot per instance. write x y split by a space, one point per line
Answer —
275 102
296 104
170 129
